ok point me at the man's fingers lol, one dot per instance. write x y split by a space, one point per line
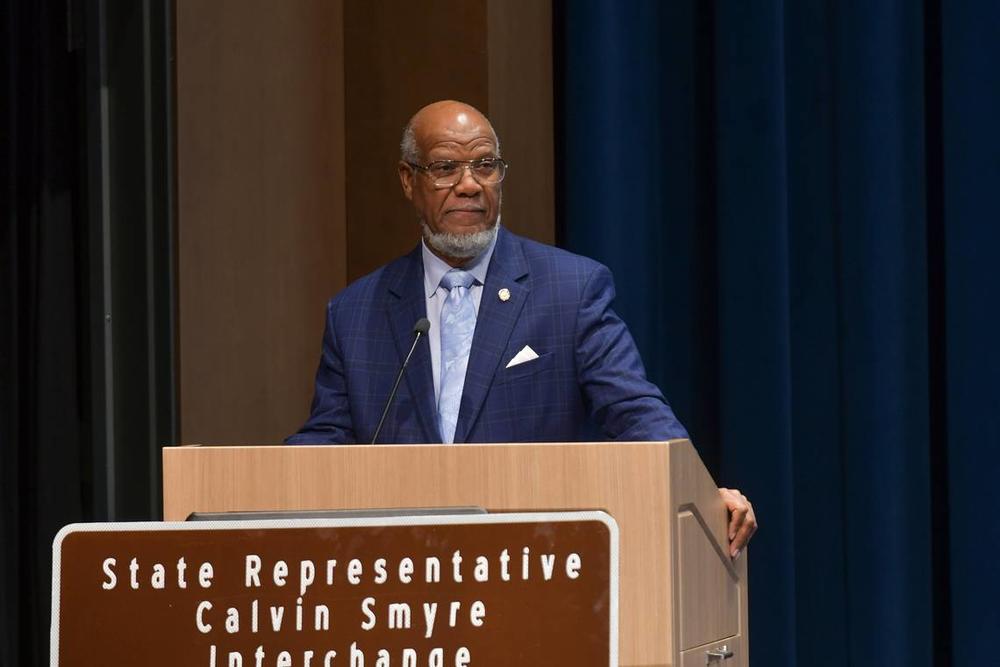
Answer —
742 521
737 506
746 531
736 519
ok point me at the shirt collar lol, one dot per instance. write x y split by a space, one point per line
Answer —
435 267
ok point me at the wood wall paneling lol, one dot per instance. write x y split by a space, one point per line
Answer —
493 54
520 108
398 57
261 230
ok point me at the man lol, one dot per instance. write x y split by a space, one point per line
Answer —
523 344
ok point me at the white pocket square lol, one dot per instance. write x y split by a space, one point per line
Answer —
526 354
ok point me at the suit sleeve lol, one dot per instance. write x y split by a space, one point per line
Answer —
329 420
623 403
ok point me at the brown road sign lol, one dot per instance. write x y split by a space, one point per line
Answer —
434 591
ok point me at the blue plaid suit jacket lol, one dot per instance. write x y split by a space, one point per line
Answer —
560 304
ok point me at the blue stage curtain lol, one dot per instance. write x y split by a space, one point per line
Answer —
799 203
970 101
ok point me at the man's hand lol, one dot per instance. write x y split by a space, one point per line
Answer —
742 522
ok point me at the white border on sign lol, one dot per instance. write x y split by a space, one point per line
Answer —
425 520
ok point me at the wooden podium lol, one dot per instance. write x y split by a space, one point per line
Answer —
683 601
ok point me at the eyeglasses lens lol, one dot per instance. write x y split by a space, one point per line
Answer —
447 173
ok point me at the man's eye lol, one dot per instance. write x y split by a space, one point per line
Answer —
485 167
443 168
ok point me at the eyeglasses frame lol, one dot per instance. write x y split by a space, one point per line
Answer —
465 164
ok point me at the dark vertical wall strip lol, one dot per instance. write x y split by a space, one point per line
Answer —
10 372
128 325
43 443
137 75
812 281
59 59
93 175
159 163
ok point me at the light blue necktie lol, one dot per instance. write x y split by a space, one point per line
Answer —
458 324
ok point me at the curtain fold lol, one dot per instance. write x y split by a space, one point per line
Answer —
970 143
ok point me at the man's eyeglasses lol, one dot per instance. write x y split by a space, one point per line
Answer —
448 173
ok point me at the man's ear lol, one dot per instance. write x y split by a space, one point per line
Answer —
406 179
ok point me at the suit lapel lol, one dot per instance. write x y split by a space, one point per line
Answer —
494 324
406 305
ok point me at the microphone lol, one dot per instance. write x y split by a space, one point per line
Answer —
421 328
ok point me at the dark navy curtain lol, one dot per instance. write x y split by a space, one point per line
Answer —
800 204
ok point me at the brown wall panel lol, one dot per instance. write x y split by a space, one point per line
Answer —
399 56
493 54
261 233
520 108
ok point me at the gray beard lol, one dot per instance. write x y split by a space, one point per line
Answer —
460 246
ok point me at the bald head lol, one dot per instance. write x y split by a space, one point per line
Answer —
451 172
442 119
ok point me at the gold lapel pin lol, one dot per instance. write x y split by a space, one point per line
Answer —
504 294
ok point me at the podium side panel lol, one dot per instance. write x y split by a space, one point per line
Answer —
711 608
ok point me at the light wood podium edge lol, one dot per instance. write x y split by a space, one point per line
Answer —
213 478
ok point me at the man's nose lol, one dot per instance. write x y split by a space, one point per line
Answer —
467 185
